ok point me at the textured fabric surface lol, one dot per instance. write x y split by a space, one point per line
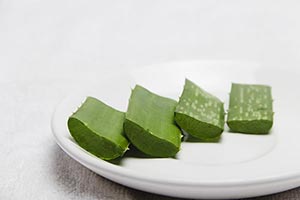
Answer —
51 48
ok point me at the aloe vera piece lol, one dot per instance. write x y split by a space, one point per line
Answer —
199 113
250 109
149 123
98 128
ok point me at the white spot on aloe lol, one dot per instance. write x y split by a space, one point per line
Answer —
194 106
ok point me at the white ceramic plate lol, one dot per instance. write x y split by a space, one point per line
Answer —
240 165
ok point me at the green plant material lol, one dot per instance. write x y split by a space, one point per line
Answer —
199 113
98 128
250 109
149 123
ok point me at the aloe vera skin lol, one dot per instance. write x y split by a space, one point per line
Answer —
250 109
199 113
149 123
98 128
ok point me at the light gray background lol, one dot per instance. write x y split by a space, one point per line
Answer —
49 48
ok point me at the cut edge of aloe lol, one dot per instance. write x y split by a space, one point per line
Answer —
137 133
188 123
90 136
251 127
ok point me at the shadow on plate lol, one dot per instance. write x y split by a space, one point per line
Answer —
133 152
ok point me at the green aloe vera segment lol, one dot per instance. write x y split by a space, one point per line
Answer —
149 123
250 109
98 128
199 113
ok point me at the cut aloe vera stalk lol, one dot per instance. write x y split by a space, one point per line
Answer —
199 113
98 128
250 109
149 123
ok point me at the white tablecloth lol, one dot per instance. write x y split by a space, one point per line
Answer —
50 48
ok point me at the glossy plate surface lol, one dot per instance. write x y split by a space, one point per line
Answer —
237 166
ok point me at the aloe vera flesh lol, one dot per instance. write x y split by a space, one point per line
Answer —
149 123
98 128
250 109
199 113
